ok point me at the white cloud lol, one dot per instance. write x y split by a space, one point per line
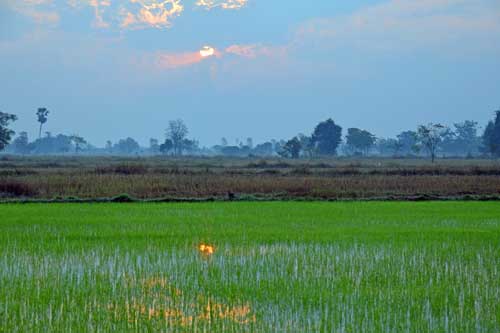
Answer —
400 24
223 4
157 14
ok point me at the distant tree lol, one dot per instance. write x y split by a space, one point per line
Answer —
398 146
154 146
20 145
245 150
190 146
223 142
177 132
6 133
274 142
360 140
466 133
79 142
52 144
429 137
126 146
307 145
109 146
264 149
278 145
407 142
167 146
291 148
250 143
462 140
448 142
388 147
231 151
42 115
491 136
327 137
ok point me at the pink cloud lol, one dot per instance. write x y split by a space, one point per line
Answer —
44 17
176 60
255 50
35 10
171 60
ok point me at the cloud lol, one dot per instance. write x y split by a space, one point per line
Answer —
35 9
176 60
256 50
157 14
392 26
406 24
124 14
118 14
44 17
99 7
224 4
172 60
133 14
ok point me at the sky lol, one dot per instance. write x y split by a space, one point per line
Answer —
266 69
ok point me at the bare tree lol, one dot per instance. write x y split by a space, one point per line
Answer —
177 132
429 137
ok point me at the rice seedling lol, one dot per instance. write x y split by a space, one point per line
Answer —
250 267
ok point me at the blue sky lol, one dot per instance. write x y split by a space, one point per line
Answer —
272 68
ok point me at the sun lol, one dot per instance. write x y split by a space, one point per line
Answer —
207 51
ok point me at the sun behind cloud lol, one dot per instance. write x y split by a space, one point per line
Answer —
207 51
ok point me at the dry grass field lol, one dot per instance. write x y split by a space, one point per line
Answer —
224 178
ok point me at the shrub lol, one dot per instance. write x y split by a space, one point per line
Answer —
17 189
123 198
123 169
302 170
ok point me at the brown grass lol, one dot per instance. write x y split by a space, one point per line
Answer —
88 178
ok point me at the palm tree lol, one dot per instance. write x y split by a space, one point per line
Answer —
42 115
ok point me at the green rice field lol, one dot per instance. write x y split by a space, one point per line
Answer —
275 267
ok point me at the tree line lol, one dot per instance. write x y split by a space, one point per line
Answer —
326 139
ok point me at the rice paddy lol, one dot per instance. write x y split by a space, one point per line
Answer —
250 267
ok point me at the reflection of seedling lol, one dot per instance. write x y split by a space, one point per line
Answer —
160 302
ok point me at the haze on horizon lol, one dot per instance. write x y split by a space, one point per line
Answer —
111 69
